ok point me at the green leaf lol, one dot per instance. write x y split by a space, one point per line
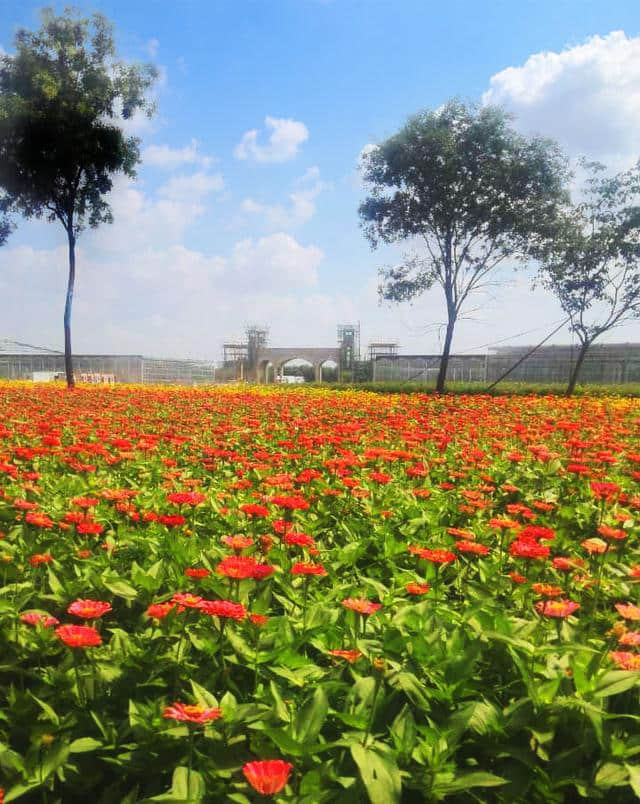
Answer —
379 773
48 710
285 741
84 744
403 731
616 681
479 716
611 774
280 707
56 587
311 717
187 786
634 778
466 780
120 588
204 697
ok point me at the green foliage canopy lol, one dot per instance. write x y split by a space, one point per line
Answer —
468 190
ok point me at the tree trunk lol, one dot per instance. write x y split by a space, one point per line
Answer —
444 358
68 359
576 369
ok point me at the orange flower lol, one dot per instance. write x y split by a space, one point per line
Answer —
238 542
159 610
546 589
308 568
361 605
628 611
595 546
417 588
630 638
350 656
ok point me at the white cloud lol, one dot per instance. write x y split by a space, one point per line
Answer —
277 259
192 188
587 97
307 188
286 137
164 156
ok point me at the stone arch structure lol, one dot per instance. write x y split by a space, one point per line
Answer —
278 356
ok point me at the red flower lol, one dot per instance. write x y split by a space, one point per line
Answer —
40 558
435 556
290 503
252 509
630 638
350 656
89 527
417 588
472 547
159 610
240 567
35 618
79 636
74 517
188 713
223 608
24 505
556 608
186 498
536 532
516 577
308 568
604 491
361 605
85 502
38 520
612 533
197 572
259 619
89 609
171 520
625 660
299 540
381 478
528 549
267 776
566 564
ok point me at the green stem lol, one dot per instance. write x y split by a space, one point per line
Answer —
373 709
81 697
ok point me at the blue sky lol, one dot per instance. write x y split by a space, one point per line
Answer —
223 226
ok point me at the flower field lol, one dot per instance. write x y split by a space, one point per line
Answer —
313 596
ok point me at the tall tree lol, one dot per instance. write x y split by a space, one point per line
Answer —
592 264
61 93
470 191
